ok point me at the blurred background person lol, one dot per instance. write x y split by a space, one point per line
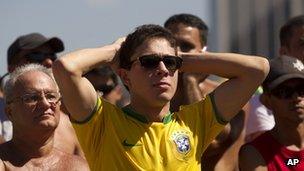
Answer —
107 84
191 33
284 95
291 45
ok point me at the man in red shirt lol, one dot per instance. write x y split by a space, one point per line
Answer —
281 148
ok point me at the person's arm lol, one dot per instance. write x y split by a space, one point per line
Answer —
251 160
79 96
245 73
192 91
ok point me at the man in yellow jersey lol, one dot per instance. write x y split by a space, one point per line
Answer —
145 135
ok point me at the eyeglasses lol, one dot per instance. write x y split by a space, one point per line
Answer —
34 98
172 63
38 57
285 92
104 88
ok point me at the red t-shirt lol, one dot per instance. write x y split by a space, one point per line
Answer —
277 156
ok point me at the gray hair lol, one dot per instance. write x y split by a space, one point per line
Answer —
14 76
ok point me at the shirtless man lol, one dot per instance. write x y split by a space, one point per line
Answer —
32 101
35 48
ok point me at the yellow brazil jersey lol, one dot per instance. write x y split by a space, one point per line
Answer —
120 139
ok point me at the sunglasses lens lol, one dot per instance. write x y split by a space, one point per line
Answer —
172 62
40 57
152 61
282 93
300 91
105 88
288 92
149 61
35 57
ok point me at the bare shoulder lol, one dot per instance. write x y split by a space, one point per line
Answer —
65 137
72 162
78 163
250 159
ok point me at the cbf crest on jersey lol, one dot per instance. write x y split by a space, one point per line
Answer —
182 141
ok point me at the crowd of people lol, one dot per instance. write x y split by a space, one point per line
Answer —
146 102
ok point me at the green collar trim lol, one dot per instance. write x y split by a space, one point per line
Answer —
128 111
134 115
167 118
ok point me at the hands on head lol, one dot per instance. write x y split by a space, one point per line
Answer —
114 62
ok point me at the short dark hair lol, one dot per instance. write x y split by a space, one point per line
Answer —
138 37
189 20
286 30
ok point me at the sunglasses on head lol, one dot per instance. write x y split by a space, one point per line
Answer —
172 63
40 57
285 92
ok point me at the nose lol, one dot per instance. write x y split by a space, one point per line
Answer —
162 69
44 101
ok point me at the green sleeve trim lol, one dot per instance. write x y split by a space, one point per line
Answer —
218 116
96 108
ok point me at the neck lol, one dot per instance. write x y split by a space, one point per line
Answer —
151 113
291 137
34 145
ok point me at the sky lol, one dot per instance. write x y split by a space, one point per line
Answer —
86 23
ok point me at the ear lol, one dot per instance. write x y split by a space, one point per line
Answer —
264 99
8 112
124 75
283 50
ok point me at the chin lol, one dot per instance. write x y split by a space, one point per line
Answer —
164 97
47 124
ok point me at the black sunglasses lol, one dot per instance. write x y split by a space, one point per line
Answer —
172 63
285 92
38 57
105 89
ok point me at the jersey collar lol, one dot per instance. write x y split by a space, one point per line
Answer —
130 112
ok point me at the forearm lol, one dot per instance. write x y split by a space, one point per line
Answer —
68 72
81 61
228 65
245 73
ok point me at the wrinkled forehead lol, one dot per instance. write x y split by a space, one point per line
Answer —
35 81
160 46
